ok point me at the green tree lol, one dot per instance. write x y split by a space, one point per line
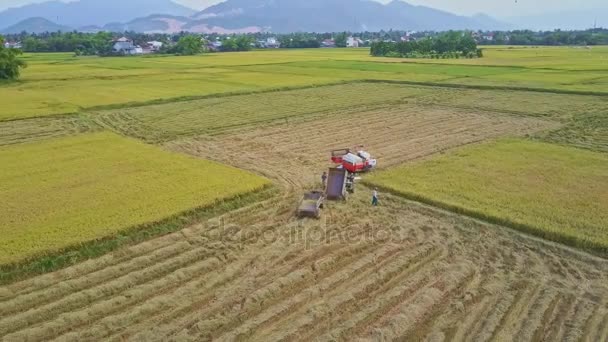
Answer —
10 63
243 43
341 40
189 45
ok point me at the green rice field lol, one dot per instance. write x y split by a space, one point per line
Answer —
61 83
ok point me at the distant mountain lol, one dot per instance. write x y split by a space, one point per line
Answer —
92 12
151 24
566 20
337 15
35 25
239 16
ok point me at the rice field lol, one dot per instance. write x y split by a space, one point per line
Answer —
62 192
47 86
137 217
212 116
399 271
558 193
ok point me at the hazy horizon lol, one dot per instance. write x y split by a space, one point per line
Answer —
496 8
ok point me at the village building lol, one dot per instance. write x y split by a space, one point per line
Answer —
155 45
328 43
12 45
352 42
125 46
272 43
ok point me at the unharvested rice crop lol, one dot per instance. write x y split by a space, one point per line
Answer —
62 192
559 193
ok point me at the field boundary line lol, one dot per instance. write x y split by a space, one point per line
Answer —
489 87
72 255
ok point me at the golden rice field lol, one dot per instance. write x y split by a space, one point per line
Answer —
558 193
47 86
66 191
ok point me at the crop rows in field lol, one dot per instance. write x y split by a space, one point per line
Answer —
588 131
23 131
437 280
212 116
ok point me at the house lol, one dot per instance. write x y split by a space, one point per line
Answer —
488 37
352 42
328 43
155 45
125 46
12 45
407 37
272 43
214 46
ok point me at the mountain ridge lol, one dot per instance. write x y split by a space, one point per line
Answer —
239 16
92 12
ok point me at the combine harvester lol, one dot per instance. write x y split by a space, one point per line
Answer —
340 181
353 162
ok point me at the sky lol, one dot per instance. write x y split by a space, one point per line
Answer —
496 8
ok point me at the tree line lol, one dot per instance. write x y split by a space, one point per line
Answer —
551 38
453 44
101 43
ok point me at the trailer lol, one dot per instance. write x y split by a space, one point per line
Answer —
336 184
311 204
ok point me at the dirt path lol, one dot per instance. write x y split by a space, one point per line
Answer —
399 271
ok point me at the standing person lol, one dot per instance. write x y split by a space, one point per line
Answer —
375 197
324 179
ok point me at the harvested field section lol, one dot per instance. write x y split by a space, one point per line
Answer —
297 152
214 115
403 270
